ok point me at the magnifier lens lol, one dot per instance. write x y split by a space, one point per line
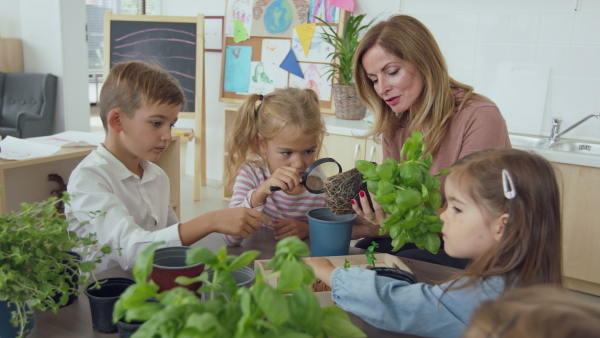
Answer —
318 177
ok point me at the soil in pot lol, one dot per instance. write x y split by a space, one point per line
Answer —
102 302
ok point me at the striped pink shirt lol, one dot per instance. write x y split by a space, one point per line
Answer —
279 205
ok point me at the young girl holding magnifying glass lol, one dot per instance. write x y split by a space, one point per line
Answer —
276 137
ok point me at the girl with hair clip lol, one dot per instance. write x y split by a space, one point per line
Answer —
503 214
275 138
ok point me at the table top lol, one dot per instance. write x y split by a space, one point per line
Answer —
75 320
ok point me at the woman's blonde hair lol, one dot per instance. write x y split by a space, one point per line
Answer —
408 39
535 312
295 110
530 250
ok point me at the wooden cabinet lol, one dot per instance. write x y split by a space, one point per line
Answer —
26 181
347 150
580 187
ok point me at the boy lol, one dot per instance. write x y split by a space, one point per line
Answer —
139 104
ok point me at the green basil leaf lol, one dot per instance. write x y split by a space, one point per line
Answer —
200 255
373 186
364 166
432 242
385 187
272 303
411 174
243 260
385 170
336 323
407 198
143 263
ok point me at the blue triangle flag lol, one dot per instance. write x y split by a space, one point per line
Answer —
290 64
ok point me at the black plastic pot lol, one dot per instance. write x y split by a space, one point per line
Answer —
398 274
126 330
102 302
73 270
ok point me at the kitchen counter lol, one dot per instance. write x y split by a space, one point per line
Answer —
360 127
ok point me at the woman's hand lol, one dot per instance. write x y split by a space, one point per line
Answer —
323 268
375 216
290 227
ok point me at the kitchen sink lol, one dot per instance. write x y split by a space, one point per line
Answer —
541 142
528 141
577 147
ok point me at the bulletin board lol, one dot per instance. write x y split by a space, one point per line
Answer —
248 61
176 44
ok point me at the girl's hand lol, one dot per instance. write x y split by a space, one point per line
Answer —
290 227
374 216
286 178
323 268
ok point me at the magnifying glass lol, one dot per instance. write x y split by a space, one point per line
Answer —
317 174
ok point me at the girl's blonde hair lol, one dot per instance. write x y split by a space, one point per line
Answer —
408 39
530 250
295 110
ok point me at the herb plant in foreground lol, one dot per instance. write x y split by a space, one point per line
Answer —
409 194
33 265
290 310
370 255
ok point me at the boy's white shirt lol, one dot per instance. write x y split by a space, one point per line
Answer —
138 211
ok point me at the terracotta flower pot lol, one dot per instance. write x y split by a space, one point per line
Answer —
169 263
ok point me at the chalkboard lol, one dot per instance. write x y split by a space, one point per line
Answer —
175 43
171 42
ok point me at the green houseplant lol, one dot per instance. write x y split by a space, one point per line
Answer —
34 266
289 310
409 193
348 105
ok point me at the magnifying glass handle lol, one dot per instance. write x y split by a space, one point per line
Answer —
273 188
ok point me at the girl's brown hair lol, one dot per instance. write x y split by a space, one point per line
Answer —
408 39
296 110
129 85
530 250
535 312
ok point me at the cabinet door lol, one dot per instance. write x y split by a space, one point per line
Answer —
344 149
373 151
580 187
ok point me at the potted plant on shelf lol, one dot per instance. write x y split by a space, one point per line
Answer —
35 263
290 309
348 105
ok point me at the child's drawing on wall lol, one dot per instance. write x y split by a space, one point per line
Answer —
315 78
260 81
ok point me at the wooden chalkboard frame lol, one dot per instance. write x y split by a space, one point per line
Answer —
199 113
255 42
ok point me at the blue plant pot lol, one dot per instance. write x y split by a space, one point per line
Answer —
329 234
7 330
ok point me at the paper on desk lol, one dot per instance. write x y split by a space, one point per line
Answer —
69 139
12 148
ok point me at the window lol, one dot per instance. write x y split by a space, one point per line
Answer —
95 33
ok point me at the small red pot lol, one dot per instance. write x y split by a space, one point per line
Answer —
169 263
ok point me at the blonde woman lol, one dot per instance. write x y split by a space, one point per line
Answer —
401 75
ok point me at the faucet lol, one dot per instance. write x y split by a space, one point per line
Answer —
555 133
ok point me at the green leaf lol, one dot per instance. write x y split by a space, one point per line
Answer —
432 242
336 323
200 255
385 187
364 166
243 260
143 263
289 279
407 198
272 303
385 170
411 174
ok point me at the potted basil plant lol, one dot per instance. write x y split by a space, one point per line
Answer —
289 310
36 269
348 105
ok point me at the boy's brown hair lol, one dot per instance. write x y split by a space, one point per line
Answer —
130 85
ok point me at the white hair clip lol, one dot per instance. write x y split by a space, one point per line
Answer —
509 187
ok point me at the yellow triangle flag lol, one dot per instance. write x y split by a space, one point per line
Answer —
305 34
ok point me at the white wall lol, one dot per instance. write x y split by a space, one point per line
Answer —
475 36
53 34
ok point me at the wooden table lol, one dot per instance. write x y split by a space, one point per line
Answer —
26 181
75 320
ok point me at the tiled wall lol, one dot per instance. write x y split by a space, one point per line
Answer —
476 36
